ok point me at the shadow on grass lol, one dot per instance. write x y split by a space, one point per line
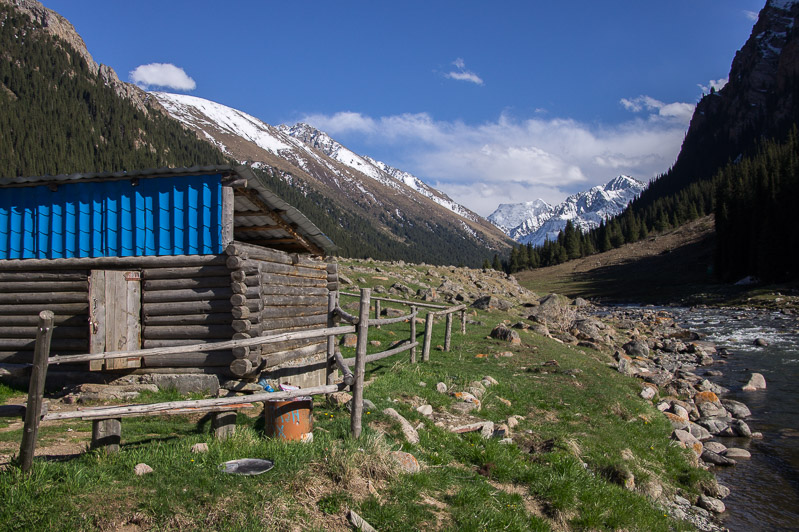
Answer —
669 277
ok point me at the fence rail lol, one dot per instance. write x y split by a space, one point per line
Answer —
106 428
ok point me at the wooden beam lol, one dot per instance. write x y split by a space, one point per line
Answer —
256 228
253 196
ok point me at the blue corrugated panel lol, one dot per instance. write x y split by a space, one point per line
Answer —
159 216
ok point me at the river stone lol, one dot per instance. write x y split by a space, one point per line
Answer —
741 428
689 441
735 453
711 504
716 447
756 382
716 459
636 348
648 392
761 342
736 408
677 422
680 412
711 410
706 397
714 425
441 387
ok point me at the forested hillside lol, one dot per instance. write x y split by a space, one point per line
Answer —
56 116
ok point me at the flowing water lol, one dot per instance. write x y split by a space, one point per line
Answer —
765 488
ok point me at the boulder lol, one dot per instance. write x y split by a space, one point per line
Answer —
756 382
501 332
636 348
716 447
406 461
491 303
407 429
736 408
740 428
736 453
716 459
349 340
691 442
711 504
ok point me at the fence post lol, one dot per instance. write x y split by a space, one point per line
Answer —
107 434
448 335
413 334
463 321
332 300
33 408
360 363
428 336
377 311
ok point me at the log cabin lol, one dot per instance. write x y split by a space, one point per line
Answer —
159 258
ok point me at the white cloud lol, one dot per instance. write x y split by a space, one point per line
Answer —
162 75
461 74
716 84
679 111
751 15
510 160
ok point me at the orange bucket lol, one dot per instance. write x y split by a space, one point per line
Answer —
289 420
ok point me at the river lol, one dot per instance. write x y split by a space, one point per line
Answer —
765 488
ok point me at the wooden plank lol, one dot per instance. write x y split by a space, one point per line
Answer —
281 357
151 285
68 309
199 294
97 316
287 280
294 271
45 275
360 364
190 332
33 408
27 287
111 263
278 290
79 320
428 335
202 346
215 359
185 272
42 298
227 208
185 307
139 410
213 318
123 311
290 312
273 324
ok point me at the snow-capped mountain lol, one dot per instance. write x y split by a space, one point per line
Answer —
536 221
394 201
373 168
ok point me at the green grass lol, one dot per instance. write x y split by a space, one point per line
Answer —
583 429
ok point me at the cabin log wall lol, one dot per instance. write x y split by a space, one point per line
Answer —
250 291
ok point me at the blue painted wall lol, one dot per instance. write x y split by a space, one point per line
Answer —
159 216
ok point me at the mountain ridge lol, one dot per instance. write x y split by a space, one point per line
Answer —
536 221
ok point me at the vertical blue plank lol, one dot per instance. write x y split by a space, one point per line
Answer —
56 230
126 221
193 220
98 223
111 209
207 219
178 221
163 225
149 226
139 227
15 234
28 228
4 217
84 226
70 228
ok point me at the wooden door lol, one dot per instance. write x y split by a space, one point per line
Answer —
115 316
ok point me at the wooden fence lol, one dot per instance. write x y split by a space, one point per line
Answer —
106 421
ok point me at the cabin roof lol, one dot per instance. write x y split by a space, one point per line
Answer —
260 216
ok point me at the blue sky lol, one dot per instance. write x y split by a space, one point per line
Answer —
491 102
